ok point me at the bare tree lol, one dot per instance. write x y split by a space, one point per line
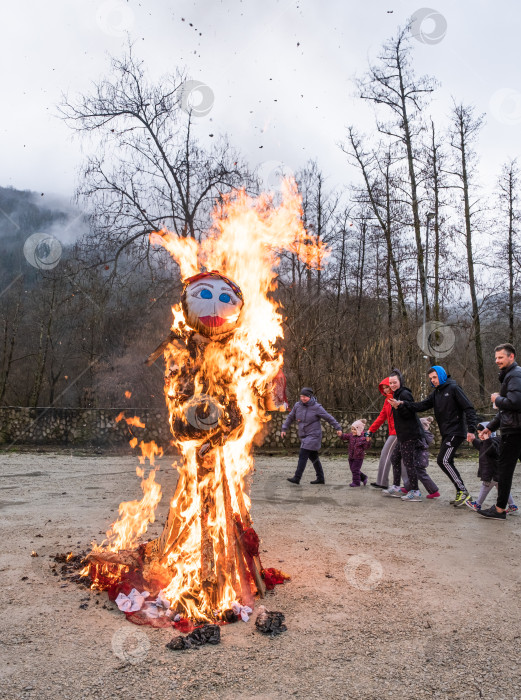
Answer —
510 213
11 316
375 168
148 170
437 184
465 127
391 82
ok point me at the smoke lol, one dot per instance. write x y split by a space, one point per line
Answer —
71 224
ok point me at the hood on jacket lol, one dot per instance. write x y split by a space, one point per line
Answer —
381 387
442 374
483 425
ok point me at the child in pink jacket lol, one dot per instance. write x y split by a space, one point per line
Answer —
358 444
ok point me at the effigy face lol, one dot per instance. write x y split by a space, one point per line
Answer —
211 304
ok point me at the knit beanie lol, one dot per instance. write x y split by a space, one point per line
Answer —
359 426
306 391
426 422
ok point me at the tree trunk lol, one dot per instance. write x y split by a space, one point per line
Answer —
412 182
436 212
476 321
9 344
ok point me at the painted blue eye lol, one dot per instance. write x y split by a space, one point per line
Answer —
206 294
225 297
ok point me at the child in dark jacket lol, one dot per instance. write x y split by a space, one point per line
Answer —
487 470
358 444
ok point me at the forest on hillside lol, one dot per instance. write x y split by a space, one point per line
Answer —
76 329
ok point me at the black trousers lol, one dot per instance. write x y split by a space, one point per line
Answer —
303 457
449 445
509 451
405 452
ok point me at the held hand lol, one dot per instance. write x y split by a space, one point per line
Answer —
470 438
394 402
485 434
283 435
493 397
339 433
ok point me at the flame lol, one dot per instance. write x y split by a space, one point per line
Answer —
135 516
133 420
202 554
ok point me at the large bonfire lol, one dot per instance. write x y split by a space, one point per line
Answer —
221 358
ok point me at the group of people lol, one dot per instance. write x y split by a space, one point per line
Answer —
406 449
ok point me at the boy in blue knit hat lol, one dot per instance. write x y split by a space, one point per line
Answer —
452 409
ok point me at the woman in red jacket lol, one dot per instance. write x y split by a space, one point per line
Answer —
386 416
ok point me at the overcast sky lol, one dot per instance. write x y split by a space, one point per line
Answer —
280 72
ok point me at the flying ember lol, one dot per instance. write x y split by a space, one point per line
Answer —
222 360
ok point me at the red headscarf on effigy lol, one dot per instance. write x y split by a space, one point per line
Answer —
215 275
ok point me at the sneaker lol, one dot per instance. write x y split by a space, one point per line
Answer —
394 491
404 490
436 494
512 510
317 481
292 480
364 481
460 499
413 496
354 485
492 513
473 505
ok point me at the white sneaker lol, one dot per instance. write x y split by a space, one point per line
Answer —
413 496
394 491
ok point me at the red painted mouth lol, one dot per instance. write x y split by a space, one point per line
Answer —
212 321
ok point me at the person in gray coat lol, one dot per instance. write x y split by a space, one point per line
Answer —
308 413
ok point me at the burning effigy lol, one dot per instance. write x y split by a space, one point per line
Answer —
222 361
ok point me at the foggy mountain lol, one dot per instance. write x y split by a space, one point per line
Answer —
24 213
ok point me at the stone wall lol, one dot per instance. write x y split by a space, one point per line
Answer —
79 426
86 426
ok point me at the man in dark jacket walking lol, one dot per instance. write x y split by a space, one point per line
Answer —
451 408
508 402
308 413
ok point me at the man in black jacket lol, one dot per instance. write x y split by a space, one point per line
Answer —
508 402
451 408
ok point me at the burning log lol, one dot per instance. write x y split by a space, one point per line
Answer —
129 558
172 337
